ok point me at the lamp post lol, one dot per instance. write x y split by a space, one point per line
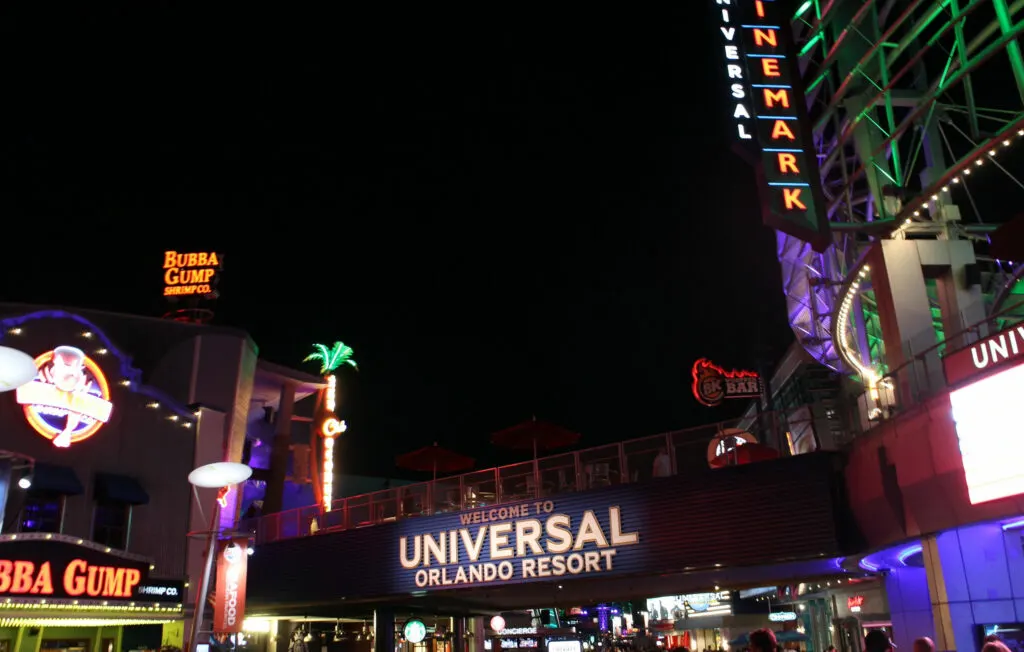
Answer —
222 476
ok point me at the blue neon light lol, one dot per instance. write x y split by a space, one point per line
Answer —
777 149
770 86
760 26
1013 525
776 117
788 184
767 56
908 552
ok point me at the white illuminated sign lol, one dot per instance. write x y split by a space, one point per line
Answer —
564 646
415 631
729 28
782 616
990 425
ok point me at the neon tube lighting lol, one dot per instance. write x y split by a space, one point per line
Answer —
1013 525
908 552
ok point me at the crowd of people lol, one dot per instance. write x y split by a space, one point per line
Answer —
763 640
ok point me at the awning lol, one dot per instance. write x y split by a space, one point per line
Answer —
112 488
55 479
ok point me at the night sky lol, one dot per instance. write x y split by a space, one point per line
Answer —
504 213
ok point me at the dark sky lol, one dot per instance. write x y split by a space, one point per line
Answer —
506 212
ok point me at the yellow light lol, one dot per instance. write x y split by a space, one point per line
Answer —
80 622
331 394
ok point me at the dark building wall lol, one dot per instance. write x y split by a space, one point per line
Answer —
146 362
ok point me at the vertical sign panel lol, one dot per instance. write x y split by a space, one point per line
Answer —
229 602
764 79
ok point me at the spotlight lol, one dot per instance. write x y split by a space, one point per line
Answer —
250 551
25 482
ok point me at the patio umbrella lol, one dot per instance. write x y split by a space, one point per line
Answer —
16 368
434 458
534 435
745 454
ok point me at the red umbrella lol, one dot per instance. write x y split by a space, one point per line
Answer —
434 458
535 435
745 454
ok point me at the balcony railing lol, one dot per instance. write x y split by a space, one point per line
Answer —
591 468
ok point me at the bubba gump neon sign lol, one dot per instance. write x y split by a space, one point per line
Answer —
79 579
190 274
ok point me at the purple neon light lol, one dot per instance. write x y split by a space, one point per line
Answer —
128 372
907 553
1013 525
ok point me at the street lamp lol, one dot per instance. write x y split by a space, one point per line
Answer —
16 368
218 475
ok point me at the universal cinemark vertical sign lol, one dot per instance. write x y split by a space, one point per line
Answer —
229 601
769 110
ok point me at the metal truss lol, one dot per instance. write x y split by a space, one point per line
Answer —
906 97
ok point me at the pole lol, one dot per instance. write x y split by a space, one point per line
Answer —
204 584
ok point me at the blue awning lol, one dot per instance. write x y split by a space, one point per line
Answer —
55 479
119 489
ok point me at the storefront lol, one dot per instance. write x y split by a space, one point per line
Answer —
61 594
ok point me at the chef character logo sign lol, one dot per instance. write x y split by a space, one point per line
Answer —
69 400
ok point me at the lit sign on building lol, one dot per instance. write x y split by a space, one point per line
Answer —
713 384
782 616
36 569
763 75
991 431
528 540
855 603
677 607
69 400
985 355
232 570
190 275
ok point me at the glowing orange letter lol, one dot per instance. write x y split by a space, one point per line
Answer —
770 67
762 37
791 198
74 577
771 97
780 129
759 8
787 163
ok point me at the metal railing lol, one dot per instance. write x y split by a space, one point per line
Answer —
601 466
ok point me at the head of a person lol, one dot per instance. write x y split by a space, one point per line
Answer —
877 641
924 644
995 646
763 640
991 638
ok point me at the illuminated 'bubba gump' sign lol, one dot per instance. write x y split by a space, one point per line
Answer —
190 274
763 70
53 568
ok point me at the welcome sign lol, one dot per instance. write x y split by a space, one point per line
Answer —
522 541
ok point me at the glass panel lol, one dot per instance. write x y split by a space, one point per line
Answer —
335 519
414 500
557 474
516 482
480 488
690 448
41 513
385 505
359 514
601 466
647 458
446 495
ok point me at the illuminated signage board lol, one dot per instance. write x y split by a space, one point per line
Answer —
855 603
676 607
990 429
522 541
414 630
192 274
54 569
984 355
769 108
782 616
69 401
713 384
229 602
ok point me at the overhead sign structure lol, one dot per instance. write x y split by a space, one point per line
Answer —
191 274
69 401
713 384
770 112
229 601
1001 349
36 568
517 542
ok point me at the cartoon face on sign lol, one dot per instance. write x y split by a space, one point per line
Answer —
69 400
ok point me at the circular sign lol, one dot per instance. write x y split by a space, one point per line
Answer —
415 631
497 623
69 400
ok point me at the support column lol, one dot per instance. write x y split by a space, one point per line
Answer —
459 635
475 627
280 450
384 630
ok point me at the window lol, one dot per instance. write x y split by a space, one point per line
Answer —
110 523
42 513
